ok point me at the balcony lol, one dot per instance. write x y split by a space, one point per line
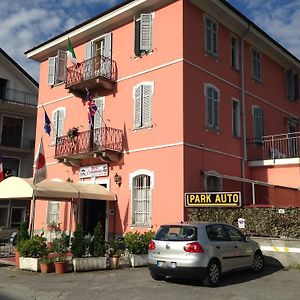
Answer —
275 147
94 73
20 145
19 97
105 143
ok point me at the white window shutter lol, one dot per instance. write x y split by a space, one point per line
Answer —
54 126
61 122
51 70
137 107
60 69
88 50
107 45
146 107
98 114
146 32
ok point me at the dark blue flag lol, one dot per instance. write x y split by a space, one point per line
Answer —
47 126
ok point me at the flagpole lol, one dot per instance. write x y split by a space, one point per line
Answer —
32 213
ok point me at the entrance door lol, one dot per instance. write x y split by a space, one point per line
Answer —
94 212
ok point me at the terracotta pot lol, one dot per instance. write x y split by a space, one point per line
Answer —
17 258
115 261
60 267
46 268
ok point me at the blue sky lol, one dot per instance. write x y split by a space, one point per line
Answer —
26 23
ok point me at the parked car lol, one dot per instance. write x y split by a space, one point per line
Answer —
204 251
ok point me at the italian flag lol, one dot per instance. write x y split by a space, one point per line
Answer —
71 53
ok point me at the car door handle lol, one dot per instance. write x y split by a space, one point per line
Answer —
218 247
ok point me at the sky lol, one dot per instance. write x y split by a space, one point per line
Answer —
27 23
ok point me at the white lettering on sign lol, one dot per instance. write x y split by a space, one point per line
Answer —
93 171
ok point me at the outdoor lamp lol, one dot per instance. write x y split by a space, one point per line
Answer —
118 179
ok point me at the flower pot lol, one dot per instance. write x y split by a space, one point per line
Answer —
46 267
60 267
29 263
17 258
138 260
89 263
115 261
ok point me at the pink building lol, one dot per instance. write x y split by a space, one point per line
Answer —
190 96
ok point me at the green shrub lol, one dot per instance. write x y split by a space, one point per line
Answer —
78 247
97 244
23 232
137 243
61 246
35 247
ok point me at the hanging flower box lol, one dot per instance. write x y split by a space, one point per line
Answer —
72 132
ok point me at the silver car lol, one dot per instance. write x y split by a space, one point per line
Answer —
204 251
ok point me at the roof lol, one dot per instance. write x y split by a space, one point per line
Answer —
124 3
13 62
51 189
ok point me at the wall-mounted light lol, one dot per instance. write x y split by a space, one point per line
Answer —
118 179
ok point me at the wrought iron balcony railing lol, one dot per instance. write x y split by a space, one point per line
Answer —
278 146
96 67
89 142
20 97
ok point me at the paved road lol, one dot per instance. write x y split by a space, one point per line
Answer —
137 284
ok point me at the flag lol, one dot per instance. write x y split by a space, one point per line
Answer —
71 53
1 168
92 108
40 172
47 126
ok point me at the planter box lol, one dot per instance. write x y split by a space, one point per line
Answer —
29 263
89 264
138 260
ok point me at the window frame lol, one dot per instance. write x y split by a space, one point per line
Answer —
292 85
256 62
220 181
234 57
212 34
257 140
132 177
53 80
57 213
236 119
215 125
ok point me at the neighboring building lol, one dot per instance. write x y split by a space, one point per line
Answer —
18 109
186 93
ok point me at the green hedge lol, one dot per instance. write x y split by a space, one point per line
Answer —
259 221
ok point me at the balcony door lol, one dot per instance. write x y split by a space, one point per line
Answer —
292 139
11 132
98 122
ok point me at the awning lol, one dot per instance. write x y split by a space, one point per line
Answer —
23 188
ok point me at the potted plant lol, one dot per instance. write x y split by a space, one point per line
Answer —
60 247
72 132
31 251
137 246
46 264
88 251
21 236
53 228
114 253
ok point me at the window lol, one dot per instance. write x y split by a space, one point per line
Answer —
211 29
100 50
258 125
256 64
216 232
57 68
12 129
143 34
234 53
143 105
213 183
236 123
53 212
141 184
58 120
11 166
212 107
234 234
292 85
3 86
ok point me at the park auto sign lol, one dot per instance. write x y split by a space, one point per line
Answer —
221 199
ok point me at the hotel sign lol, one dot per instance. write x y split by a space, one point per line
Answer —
93 171
222 199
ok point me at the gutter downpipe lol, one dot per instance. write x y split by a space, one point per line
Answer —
245 158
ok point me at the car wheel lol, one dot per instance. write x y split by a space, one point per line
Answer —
258 262
157 277
213 274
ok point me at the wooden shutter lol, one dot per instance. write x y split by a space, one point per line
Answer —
137 107
61 122
51 70
88 50
54 126
58 124
98 114
146 32
258 124
137 33
147 105
107 45
60 69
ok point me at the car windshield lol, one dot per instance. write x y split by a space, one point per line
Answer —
176 233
